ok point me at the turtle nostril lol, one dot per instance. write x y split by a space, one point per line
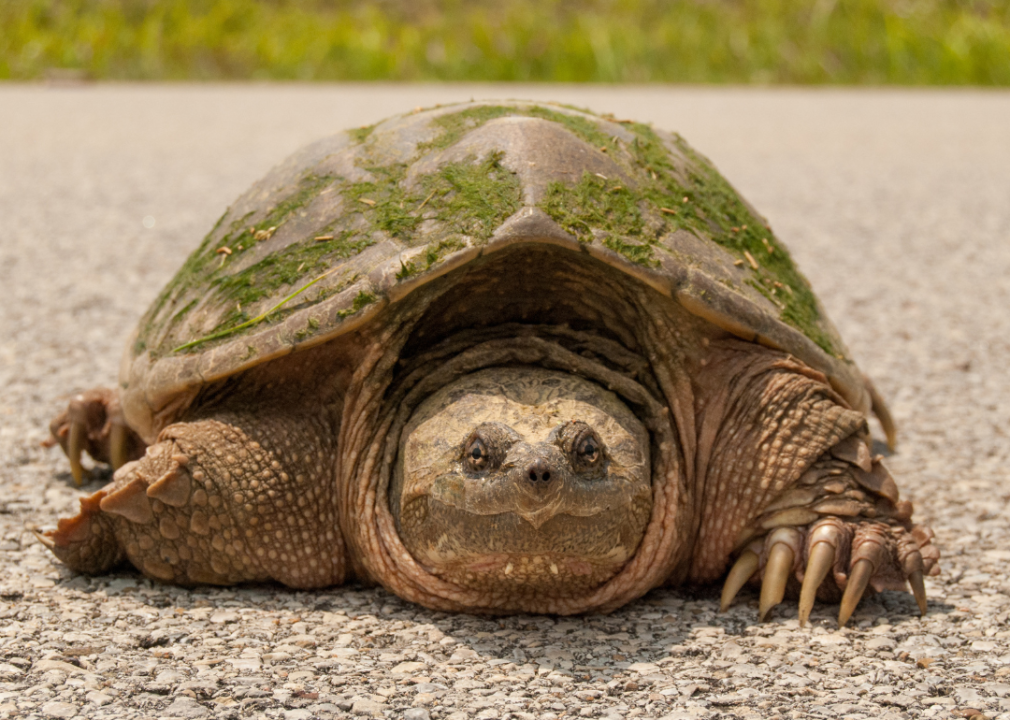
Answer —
539 471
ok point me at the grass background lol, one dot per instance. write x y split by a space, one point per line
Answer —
908 42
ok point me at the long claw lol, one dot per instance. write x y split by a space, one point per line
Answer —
45 540
918 589
883 414
742 571
859 578
117 445
75 447
822 559
776 575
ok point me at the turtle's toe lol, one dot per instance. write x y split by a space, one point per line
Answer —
93 423
841 531
835 560
87 541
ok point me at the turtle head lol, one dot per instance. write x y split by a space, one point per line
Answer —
523 481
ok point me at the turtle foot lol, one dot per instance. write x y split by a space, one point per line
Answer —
85 542
834 560
93 423
839 533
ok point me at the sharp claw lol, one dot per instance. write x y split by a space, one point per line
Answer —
742 571
918 589
859 578
822 559
47 541
776 575
117 445
75 447
883 414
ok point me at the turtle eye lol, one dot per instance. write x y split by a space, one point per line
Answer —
582 444
588 450
487 446
476 455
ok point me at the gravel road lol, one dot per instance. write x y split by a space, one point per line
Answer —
896 205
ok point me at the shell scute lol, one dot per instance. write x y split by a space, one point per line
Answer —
354 221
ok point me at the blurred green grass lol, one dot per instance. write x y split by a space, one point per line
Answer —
907 42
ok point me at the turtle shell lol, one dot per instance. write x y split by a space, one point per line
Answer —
360 219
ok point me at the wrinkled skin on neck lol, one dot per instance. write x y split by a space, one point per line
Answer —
494 316
523 481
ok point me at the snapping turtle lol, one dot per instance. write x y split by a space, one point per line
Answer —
496 357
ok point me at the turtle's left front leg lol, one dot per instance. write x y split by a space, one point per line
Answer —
791 493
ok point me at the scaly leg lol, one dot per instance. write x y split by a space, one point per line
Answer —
235 498
791 490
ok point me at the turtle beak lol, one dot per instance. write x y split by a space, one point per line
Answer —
538 474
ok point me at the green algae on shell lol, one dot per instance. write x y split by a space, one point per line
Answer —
357 220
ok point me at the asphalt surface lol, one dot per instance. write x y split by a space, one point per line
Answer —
895 203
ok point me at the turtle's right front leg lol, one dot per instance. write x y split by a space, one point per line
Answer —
93 422
234 498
